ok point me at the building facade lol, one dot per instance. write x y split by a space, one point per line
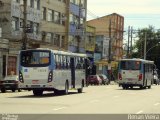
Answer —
90 41
12 24
115 23
77 25
109 34
55 24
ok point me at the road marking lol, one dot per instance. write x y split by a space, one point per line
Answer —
116 96
132 93
139 112
59 108
94 101
156 104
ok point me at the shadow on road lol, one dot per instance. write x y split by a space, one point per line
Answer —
45 95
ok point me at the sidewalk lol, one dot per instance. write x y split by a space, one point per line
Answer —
113 83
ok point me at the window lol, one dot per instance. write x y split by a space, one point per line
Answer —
63 42
15 24
50 15
29 3
43 13
16 0
71 18
21 24
49 37
57 40
33 58
21 2
35 28
36 4
56 17
130 65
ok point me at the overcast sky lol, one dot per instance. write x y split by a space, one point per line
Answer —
137 13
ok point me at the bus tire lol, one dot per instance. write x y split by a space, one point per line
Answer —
19 90
37 92
149 87
65 92
13 90
123 87
56 92
141 87
80 90
3 90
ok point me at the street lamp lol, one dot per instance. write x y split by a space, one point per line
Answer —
151 48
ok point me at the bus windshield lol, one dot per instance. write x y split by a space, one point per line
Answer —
35 58
130 65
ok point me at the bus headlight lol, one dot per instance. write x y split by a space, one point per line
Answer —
50 76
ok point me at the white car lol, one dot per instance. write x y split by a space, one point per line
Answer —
10 82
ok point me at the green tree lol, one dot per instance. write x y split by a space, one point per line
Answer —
152 39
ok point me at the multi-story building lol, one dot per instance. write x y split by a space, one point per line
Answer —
77 20
112 27
54 27
12 24
55 24
90 41
63 24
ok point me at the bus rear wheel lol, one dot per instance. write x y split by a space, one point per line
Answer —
65 92
37 92
80 90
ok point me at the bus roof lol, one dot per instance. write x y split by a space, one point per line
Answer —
138 59
60 52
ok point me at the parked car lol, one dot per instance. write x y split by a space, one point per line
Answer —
104 78
10 82
156 79
94 79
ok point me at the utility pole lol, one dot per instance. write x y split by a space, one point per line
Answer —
128 48
109 54
145 43
131 42
24 38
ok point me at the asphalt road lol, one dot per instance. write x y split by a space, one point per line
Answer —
108 99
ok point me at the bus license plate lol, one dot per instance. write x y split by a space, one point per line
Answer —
35 81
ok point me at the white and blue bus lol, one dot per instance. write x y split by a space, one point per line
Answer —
135 72
51 70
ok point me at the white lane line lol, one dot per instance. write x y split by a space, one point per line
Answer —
132 93
116 96
59 108
94 101
156 104
139 112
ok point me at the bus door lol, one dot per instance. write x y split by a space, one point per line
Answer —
144 74
72 65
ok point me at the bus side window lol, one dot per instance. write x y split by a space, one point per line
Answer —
78 65
55 61
83 63
58 62
68 62
64 62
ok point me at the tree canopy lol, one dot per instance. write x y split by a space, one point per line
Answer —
152 44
